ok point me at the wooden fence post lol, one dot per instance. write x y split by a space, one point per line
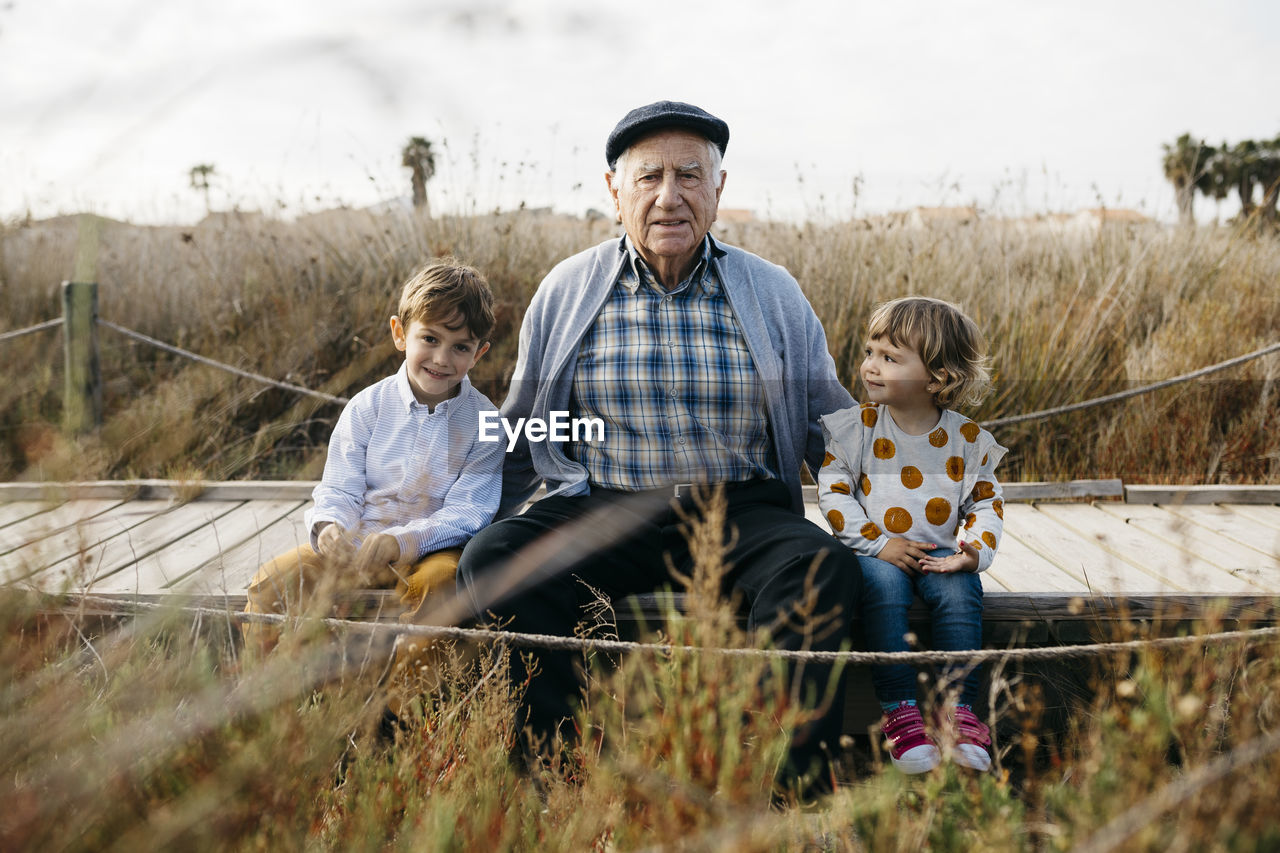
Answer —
82 399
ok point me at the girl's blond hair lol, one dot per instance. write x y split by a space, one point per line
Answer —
949 343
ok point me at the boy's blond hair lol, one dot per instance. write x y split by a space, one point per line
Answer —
949 343
445 289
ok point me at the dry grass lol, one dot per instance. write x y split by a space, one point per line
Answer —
1069 318
155 733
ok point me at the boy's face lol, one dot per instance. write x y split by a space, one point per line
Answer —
437 356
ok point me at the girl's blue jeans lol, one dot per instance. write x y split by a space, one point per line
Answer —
955 609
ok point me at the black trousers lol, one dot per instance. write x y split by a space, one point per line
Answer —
527 571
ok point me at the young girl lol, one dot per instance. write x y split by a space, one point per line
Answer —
905 480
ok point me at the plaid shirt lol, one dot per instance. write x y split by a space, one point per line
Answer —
670 375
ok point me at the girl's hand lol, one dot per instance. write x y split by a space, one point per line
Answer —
906 554
964 560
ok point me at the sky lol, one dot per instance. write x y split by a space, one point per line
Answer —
835 109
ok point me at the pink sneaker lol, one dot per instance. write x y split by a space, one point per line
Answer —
910 746
973 740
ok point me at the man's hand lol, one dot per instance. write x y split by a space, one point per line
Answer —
333 542
906 554
378 551
964 560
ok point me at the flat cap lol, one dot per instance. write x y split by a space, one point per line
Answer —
645 120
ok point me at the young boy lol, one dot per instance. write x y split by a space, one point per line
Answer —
406 482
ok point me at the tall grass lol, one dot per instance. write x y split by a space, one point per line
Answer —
157 733
1068 317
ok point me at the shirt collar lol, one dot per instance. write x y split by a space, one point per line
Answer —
409 401
701 274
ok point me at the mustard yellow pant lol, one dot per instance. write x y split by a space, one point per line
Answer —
301 578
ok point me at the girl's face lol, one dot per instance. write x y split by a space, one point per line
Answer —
895 376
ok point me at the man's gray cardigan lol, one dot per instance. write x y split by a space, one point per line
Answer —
783 335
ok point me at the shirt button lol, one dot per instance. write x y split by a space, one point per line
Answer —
671 343
673 392
681 439
666 299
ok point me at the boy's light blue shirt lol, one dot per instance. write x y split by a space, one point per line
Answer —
421 476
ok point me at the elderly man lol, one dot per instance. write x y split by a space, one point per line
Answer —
706 365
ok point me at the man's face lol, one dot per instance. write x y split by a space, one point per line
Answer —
666 196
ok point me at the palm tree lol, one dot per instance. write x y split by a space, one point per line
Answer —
200 181
1185 164
418 156
1246 162
1268 173
1222 174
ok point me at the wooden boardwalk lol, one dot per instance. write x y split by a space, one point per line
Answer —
1076 552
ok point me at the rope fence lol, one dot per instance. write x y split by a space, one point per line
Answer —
1043 414
1133 392
170 348
38 327
126 607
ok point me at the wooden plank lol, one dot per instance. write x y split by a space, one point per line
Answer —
258 490
1033 490
1209 494
814 514
1227 521
1065 607
1259 513
230 572
1048 551
301 490
270 532
1059 607
1099 570
77 541
179 558
124 545
1202 539
53 523
1180 569
117 490
17 511
992 583
999 607
160 490
1020 569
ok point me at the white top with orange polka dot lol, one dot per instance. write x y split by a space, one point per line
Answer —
877 481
